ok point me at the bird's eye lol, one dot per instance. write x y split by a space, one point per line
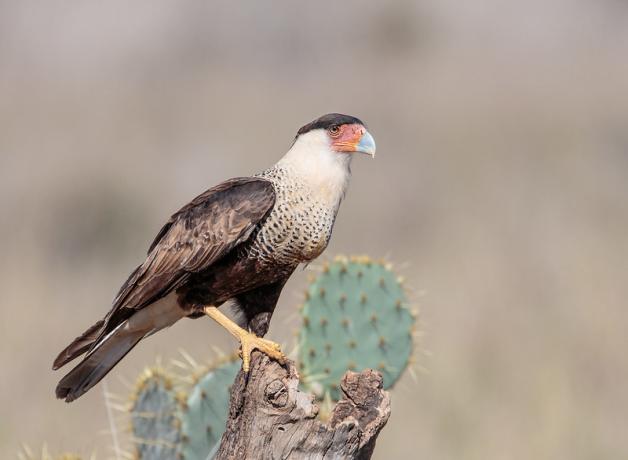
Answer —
334 130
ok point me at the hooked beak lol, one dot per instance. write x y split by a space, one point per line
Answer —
366 144
355 138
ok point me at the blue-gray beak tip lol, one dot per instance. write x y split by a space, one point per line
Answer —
367 144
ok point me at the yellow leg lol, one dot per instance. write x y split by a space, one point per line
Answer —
248 340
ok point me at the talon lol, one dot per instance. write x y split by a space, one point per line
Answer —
250 342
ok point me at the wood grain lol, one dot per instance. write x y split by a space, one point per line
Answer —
270 418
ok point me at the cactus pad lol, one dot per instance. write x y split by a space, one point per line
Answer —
177 419
205 411
355 317
154 417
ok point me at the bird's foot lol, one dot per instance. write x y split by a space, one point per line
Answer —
250 342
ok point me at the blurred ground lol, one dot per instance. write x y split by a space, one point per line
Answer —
501 182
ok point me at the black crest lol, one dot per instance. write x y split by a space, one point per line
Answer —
328 120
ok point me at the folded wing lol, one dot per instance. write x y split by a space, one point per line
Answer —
195 237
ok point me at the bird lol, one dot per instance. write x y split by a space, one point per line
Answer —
237 242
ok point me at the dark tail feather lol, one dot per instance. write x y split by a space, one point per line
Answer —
79 345
104 356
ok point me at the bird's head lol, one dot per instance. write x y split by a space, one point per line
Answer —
322 151
337 133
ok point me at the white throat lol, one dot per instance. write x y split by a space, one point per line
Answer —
323 170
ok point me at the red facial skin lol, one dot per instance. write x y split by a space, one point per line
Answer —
347 138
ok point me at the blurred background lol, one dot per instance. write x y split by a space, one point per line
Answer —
500 186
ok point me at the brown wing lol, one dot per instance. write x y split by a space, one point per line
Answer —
196 236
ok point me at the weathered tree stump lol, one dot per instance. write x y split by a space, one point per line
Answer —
269 418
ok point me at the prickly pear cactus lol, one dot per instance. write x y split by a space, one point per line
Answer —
175 419
355 317
155 417
205 412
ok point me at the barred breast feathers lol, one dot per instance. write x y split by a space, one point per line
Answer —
310 182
